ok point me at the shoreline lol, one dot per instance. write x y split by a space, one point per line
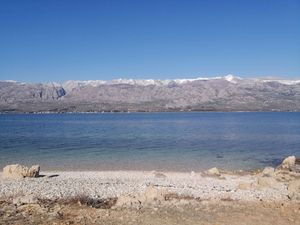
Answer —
229 170
184 172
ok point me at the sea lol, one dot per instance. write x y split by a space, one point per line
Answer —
175 141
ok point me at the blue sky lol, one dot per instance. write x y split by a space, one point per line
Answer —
59 40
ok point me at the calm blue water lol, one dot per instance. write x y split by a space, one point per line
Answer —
149 141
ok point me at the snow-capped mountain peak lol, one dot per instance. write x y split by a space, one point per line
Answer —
145 82
231 78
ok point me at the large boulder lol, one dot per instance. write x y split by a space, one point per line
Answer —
289 169
294 189
288 163
34 171
17 171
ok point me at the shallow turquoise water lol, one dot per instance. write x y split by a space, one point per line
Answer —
149 141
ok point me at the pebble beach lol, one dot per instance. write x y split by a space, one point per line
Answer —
108 184
151 197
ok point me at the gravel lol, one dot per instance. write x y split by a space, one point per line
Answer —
108 184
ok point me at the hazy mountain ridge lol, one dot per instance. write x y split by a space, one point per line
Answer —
227 93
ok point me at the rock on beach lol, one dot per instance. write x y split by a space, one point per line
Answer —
288 163
213 172
17 171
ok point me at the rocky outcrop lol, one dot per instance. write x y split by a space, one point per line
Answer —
19 171
288 170
288 163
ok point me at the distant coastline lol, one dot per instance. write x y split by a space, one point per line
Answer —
127 112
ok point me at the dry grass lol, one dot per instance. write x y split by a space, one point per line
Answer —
171 196
82 200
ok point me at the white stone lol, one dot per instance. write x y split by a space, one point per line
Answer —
288 162
18 171
15 171
34 171
213 172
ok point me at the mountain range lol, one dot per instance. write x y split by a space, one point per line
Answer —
228 93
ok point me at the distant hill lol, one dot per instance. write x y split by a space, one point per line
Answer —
227 93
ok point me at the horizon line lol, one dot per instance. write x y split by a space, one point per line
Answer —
228 76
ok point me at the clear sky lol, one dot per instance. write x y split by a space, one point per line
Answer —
57 40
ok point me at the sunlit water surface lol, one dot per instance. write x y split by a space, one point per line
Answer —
149 141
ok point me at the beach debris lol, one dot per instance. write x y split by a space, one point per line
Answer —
288 163
17 171
294 189
213 172
268 172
